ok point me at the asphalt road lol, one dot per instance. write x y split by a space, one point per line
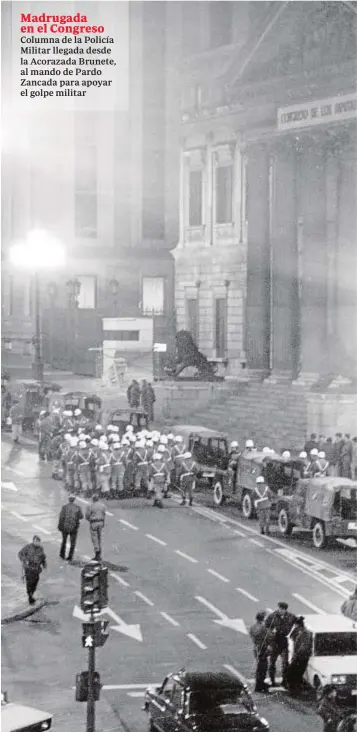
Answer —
173 572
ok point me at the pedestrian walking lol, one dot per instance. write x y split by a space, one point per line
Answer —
68 524
16 416
262 503
262 639
280 623
302 640
95 515
133 394
33 561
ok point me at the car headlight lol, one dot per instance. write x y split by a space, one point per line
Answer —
338 679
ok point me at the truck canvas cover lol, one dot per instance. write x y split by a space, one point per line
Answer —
320 495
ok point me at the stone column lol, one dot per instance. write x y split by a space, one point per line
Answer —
283 258
257 315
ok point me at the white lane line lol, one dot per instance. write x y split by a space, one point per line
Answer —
186 556
8 486
211 607
219 576
40 528
144 598
247 594
239 533
170 619
235 672
154 538
18 516
109 513
256 542
308 604
130 526
197 641
17 472
119 579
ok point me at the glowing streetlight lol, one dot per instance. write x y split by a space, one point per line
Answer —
39 252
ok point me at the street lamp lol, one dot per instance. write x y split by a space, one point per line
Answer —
39 252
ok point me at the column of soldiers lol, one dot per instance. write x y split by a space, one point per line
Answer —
96 460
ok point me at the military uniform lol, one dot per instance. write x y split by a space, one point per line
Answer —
95 515
141 468
45 428
56 452
33 560
262 639
159 475
177 451
186 470
83 470
262 503
103 471
118 460
280 626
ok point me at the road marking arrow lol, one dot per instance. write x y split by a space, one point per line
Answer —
9 486
132 631
234 623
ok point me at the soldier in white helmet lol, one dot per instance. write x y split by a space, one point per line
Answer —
71 469
286 455
262 502
249 446
83 468
177 450
321 465
187 472
233 460
311 466
118 462
159 477
141 480
103 468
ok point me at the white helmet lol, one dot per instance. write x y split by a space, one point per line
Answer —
158 456
94 442
115 438
155 438
314 452
69 413
104 446
111 437
187 455
170 436
321 454
74 441
161 449
156 433
55 410
68 437
266 450
99 427
149 443
179 438
115 428
77 412
82 445
260 479
148 435
303 455
110 428
65 412
286 455
163 440
129 428
234 444
249 443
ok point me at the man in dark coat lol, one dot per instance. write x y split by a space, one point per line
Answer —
147 399
262 639
311 444
68 524
133 394
346 457
302 639
33 560
280 623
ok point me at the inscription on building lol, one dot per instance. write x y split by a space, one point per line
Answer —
317 112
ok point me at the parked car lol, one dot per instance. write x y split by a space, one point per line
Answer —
32 396
334 654
122 417
20 718
202 702
210 452
325 506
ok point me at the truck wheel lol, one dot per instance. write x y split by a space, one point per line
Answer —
218 495
285 527
247 506
319 535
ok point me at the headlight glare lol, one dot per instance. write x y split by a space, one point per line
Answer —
339 679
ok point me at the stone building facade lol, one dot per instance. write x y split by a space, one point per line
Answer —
266 262
96 183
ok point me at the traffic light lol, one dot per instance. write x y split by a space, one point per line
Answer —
94 588
94 634
82 686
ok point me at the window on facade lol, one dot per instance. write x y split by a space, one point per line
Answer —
87 295
224 194
153 295
192 318
122 335
195 198
220 327
221 23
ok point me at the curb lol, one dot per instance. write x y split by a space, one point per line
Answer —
22 614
